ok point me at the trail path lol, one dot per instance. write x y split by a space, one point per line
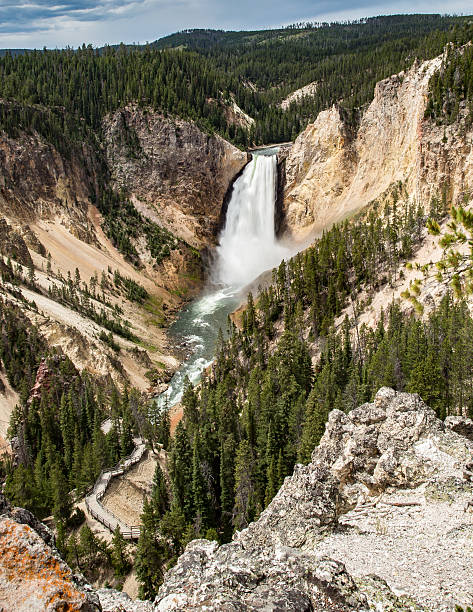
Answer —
93 501
125 495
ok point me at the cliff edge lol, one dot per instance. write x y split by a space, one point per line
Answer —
380 519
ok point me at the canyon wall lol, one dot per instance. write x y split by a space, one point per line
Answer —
340 164
177 175
37 182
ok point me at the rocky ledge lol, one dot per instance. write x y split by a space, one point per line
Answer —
32 574
379 520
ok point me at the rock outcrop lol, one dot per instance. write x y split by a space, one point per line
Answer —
338 164
297 96
13 245
380 519
178 175
32 574
38 182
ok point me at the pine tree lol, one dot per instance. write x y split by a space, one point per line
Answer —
271 462
126 442
121 562
244 510
190 403
180 470
62 505
227 483
159 492
199 490
148 563
316 413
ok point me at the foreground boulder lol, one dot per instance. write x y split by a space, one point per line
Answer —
380 519
33 577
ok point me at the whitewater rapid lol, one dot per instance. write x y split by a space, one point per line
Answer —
247 247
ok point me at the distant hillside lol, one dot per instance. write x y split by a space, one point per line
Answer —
200 74
14 52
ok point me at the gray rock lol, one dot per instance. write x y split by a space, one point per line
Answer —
389 463
176 174
117 601
460 425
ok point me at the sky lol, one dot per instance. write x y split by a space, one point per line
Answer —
60 23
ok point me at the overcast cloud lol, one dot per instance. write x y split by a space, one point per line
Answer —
58 23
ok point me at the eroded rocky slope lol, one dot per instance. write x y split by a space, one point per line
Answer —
176 174
38 182
340 163
380 519
177 177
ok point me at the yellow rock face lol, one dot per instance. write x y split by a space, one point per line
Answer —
334 168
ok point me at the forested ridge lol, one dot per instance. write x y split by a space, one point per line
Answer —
188 74
451 89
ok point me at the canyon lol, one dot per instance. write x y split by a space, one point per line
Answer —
340 533
177 177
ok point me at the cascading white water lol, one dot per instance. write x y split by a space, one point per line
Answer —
248 244
248 247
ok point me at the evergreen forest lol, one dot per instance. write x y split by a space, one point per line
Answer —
298 351
194 73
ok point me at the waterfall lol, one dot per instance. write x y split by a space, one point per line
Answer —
248 245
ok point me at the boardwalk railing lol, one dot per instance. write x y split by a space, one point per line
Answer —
132 534
92 500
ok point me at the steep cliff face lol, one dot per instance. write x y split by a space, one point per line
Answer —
37 182
177 175
380 519
47 222
334 169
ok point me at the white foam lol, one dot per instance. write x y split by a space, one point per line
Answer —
248 244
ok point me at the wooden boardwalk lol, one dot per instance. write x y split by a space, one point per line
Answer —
93 500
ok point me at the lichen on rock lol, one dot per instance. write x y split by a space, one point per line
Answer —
32 574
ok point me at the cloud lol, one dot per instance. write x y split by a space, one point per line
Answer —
38 23
23 16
